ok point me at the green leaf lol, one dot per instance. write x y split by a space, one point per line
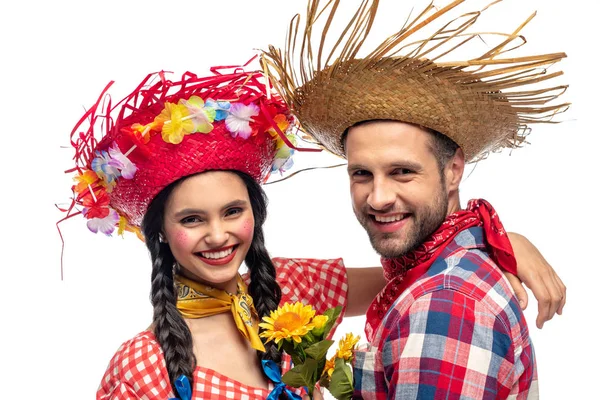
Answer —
310 372
302 375
318 350
341 385
308 338
333 314
293 378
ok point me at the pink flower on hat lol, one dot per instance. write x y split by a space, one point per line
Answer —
239 118
105 225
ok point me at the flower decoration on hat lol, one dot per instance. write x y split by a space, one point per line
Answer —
166 130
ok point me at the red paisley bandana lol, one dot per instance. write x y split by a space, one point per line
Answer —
403 271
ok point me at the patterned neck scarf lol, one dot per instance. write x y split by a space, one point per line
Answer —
403 271
195 300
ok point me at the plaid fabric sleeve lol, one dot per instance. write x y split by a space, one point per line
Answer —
136 371
447 346
321 283
118 391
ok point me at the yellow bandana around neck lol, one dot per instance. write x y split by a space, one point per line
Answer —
196 300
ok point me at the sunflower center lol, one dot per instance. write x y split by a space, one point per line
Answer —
289 321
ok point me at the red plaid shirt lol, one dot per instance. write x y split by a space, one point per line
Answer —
456 333
138 371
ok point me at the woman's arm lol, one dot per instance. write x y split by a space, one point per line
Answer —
363 285
533 271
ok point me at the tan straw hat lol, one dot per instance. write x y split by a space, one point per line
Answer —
484 103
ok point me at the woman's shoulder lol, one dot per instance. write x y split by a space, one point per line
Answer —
298 272
307 265
323 283
142 345
137 366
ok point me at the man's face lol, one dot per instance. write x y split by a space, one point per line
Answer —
398 193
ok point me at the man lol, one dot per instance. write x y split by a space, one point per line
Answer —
457 329
447 324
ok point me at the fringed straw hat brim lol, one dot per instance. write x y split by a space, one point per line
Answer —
478 103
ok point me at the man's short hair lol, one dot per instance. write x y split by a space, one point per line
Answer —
442 147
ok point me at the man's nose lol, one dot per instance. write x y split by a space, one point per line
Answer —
382 195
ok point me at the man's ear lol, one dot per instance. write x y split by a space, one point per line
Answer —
454 170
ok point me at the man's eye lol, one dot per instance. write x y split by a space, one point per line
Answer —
361 172
403 171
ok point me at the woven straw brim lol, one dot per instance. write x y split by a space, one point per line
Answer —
484 103
417 93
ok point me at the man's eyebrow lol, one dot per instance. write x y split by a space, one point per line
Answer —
415 166
355 167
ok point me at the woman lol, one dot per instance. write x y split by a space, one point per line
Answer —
184 161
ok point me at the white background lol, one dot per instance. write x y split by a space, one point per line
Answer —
56 337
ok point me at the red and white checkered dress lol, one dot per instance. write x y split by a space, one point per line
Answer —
138 370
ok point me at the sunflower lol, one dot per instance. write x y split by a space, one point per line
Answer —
291 321
329 367
319 321
346 346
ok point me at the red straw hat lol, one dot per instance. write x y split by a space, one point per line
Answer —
165 130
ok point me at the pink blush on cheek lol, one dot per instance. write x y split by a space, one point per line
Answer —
181 239
247 230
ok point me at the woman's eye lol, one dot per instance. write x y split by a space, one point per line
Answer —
233 211
190 220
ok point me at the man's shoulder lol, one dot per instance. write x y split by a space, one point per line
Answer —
468 270
467 278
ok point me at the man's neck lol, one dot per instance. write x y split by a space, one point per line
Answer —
453 203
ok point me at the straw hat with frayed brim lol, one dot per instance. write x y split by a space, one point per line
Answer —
481 103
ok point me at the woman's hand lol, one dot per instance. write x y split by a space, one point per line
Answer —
316 396
535 272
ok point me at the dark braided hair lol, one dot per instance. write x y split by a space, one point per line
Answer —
263 288
170 329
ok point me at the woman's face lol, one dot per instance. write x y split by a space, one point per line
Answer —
209 226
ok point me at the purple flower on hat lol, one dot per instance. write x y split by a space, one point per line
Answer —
107 168
105 225
239 118
281 165
221 108
126 167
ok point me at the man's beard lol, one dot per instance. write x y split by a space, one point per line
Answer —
424 222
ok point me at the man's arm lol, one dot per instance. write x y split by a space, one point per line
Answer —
445 346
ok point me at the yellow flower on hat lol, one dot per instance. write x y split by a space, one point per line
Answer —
201 116
141 132
125 226
346 346
174 124
84 179
291 321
